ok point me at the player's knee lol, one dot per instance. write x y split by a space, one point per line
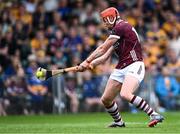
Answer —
125 95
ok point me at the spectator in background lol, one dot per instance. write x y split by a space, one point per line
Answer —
175 41
132 16
10 42
173 62
5 58
14 67
101 4
141 28
32 65
71 92
21 40
50 5
91 93
64 8
41 18
24 16
90 15
171 23
39 41
121 6
56 41
37 91
73 40
57 21
5 21
167 88
2 88
156 43
59 59
152 51
88 43
30 5
158 34
16 94
79 7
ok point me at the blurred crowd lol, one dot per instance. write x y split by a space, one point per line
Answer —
62 33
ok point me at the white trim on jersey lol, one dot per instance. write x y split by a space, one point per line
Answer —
133 55
114 36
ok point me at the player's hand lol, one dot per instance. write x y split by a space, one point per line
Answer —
83 66
41 73
91 66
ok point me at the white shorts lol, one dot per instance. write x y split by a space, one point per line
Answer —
136 69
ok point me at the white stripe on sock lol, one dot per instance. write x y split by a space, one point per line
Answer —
137 100
142 104
113 108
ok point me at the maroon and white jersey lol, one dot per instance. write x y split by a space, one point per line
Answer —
128 47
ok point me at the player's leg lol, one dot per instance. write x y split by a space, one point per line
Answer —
112 89
130 84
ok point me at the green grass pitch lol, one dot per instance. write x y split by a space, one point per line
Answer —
88 123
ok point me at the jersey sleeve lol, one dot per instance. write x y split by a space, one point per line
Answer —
117 32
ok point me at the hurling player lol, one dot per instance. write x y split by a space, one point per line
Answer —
130 69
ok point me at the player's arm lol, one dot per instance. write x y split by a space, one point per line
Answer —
102 58
101 50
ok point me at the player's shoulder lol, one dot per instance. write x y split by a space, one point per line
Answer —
120 28
122 24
